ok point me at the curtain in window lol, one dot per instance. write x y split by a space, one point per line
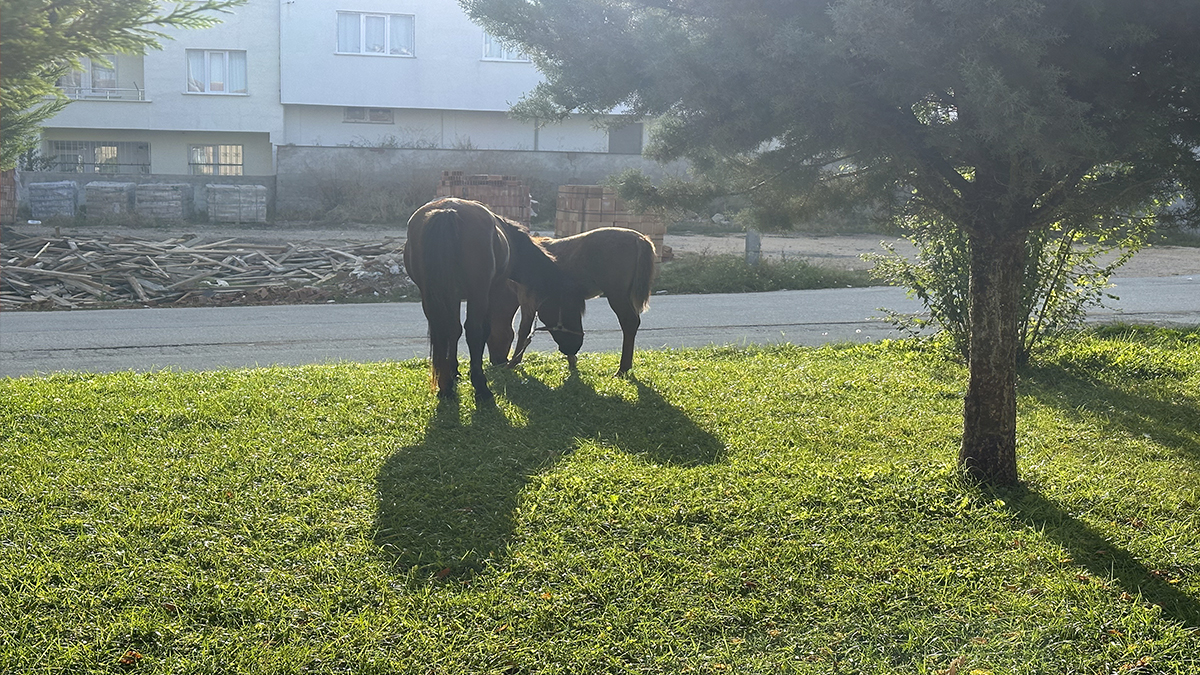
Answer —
216 71
237 72
349 26
195 70
401 32
376 34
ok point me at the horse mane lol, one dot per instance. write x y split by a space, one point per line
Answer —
532 265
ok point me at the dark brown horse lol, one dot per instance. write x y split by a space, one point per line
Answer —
459 250
613 261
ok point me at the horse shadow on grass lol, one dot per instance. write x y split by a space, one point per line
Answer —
447 505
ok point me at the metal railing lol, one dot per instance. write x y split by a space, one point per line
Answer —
104 93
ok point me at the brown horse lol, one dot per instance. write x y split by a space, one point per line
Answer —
459 250
613 261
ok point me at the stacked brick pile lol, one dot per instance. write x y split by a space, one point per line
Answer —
168 201
506 195
237 203
586 207
53 200
8 196
105 198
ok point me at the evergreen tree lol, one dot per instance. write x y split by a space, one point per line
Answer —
1000 118
42 40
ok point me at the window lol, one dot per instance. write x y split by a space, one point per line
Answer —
98 78
216 72
494 50
104 72
98 156
215 160
381 34
626 140
368 115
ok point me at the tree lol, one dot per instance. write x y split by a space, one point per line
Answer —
1000 118
44 39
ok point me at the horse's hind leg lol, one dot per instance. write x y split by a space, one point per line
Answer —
477 335
444 357
630 321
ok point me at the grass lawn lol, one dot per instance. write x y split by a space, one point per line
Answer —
781 510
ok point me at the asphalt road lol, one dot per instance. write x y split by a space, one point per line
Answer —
233 337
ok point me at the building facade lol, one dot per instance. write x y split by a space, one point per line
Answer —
327 73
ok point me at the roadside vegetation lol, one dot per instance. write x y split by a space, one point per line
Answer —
767 510
729 273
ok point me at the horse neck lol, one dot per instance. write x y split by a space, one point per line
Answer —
531 265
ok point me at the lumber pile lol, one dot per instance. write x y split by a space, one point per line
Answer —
66 272
507 196
586 207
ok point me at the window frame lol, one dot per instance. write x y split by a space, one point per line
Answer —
214 154
227 62
369 115
387 34
507 55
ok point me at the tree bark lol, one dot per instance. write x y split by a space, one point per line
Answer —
989 443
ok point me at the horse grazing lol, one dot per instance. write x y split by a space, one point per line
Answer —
613 261
459 250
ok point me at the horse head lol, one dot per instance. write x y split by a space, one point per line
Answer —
563 319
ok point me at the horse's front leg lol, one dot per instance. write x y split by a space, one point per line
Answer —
477 335
524 334
503 303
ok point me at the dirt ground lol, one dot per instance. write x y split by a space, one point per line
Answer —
840 251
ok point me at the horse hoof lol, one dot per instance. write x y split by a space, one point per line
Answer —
447 394
573 362
485 398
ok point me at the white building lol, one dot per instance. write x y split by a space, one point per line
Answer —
374 73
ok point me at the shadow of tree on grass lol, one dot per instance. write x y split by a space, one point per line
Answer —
1139 411
1101 557
446 505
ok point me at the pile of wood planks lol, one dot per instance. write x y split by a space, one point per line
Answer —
69 272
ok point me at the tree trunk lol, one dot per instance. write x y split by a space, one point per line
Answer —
989 444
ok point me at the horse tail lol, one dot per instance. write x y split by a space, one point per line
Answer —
643 275
440 262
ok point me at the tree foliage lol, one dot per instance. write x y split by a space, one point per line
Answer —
44 39
997 118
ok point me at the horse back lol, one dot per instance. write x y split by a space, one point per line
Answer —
455 239
613 261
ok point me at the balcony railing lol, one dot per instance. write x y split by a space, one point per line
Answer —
103 93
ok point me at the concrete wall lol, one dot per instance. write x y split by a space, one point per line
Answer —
450 129
314 180
382 184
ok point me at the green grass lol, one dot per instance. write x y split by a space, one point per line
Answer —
781 510
729 273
